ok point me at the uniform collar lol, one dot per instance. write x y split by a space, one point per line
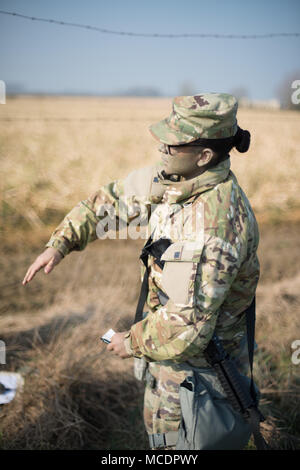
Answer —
178 191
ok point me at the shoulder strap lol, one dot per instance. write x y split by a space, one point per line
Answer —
144 289
155 249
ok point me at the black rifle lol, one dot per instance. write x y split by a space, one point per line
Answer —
242 398
237 393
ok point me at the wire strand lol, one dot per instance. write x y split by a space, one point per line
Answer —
151 35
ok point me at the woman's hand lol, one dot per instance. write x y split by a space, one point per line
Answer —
48 259
117 345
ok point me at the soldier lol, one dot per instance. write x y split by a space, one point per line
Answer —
206 276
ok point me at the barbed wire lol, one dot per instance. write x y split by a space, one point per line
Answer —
152 35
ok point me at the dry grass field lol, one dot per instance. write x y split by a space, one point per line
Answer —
57 151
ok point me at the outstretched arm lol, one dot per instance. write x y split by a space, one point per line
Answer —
122 200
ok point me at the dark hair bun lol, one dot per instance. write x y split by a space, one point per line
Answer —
242 140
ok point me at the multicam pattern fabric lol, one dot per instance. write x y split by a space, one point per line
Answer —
212 276
210 273
208 116
162 410
223 276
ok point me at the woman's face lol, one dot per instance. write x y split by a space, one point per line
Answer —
181 160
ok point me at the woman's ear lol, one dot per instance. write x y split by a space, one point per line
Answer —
205 157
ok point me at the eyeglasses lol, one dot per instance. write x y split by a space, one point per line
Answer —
166 149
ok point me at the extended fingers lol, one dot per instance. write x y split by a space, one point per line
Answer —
49 259
29 275
33 269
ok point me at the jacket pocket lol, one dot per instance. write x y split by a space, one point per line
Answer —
179 271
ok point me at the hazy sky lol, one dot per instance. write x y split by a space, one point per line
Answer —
51 58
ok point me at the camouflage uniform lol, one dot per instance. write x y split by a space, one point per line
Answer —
211 268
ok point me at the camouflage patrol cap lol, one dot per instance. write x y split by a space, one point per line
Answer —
206 116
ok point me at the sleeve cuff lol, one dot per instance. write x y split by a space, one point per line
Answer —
127 344
59 245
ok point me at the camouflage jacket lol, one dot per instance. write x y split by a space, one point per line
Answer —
210 270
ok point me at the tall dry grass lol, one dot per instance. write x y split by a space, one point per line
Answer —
55 152
76 395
